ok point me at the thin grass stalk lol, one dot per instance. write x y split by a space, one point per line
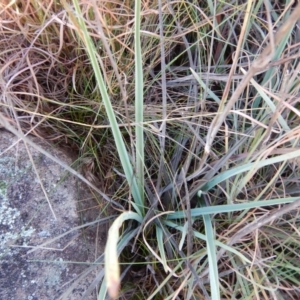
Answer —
164 98
124 157
139 102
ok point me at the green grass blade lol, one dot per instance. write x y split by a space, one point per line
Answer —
139 101
196 212
278 53
103 291
205 87
184 234
249 166
212 258
124 157
160 243
269 102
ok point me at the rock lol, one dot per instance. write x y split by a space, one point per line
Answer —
28 220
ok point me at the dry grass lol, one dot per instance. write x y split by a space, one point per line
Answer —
201 97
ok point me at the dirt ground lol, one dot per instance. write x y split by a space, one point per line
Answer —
28 270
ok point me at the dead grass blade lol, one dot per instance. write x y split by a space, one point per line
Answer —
259 64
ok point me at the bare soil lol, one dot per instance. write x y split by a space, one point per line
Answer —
27 222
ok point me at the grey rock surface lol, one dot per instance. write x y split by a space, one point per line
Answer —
28 219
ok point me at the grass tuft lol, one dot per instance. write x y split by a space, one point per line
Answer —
185 118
